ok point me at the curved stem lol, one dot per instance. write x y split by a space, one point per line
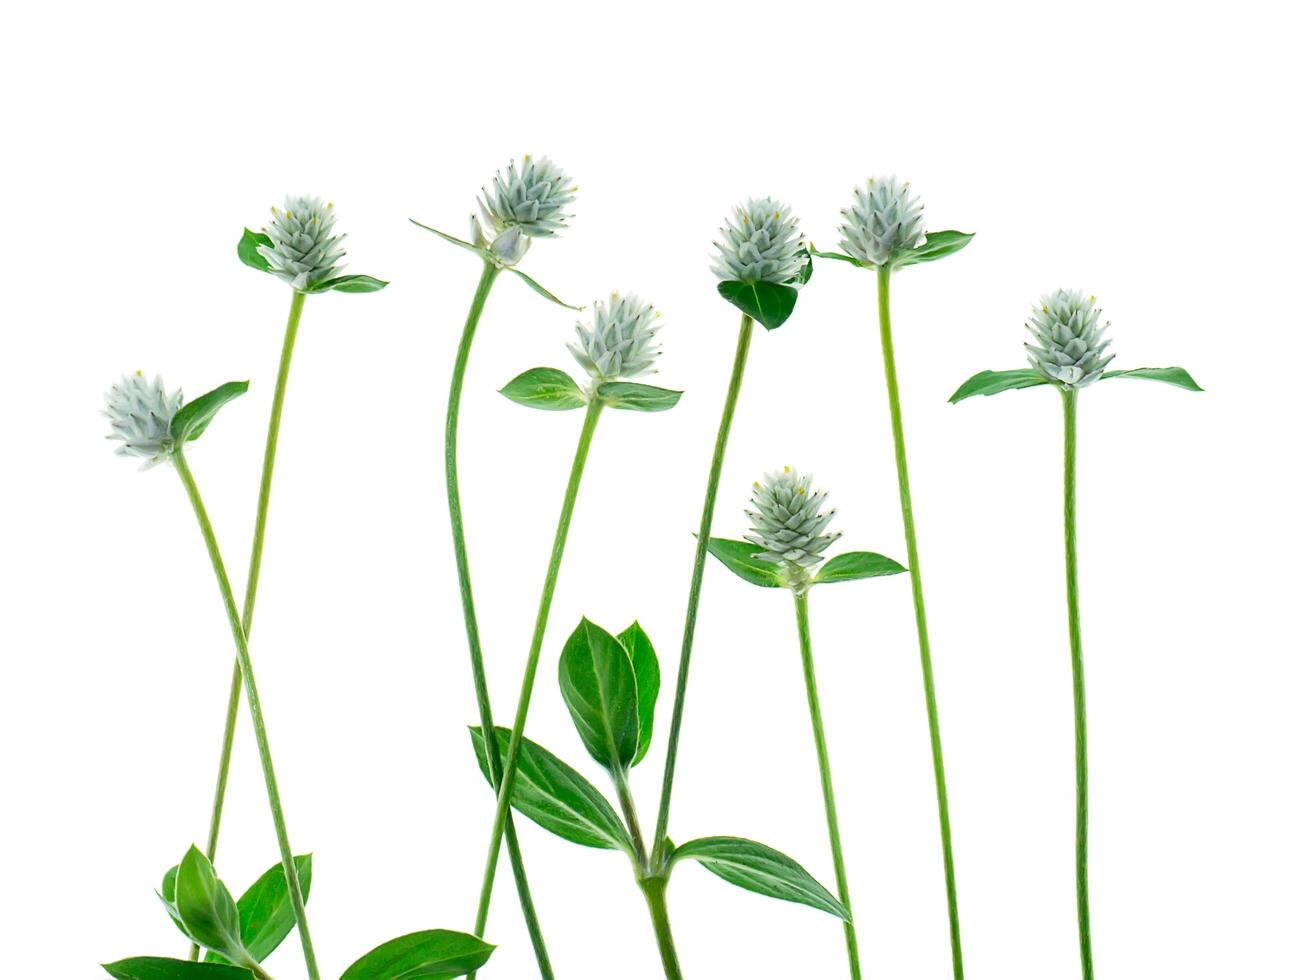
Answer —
695 587
654 892
921 625
1070 401
255 711
495 763
532 660
826 778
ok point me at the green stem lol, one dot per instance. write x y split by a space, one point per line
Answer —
695 588
501 812
654 892
921 625
826 778
255 710
487 276
1070 401
626 799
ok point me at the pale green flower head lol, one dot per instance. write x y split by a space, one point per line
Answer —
761 242
140 414
884 220
1069 348
620 341
303 251
524 203
788 523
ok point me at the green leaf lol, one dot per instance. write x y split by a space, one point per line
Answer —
350 284
766 302
555 796
435 954
266 915
636 397
540 289
161 968
167 894
193 417
600 691
546 388
647 681
760 869
247 250
855 565
805 273
837 255
1169 375
207 910
936 245
484 253
995 382
738 557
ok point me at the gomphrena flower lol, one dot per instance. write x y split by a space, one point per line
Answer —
1070 350
619 343
882 220
788 523
140 413
303 251
520 205
761 243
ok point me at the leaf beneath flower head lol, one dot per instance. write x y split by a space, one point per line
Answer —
484 253
995 382
740 558
546 388
350 284
636 397
856 565
193 417
1169 375
936 245
836 255
247 250
541 290
768 303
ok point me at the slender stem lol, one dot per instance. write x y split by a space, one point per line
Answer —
626 799
1070 400
695 587
654 892
487 276
826 778
255 711
921 625
532 659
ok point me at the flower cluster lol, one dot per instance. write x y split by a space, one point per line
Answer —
1069 350
883 220
520 205
619 343
761 243
788 523
140 413
303 251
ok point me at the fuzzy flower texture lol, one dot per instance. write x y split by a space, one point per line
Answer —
1069 349
303 251
140 414
883 220
619 343
520 205
761 243
788 523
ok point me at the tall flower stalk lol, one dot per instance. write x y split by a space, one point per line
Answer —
1069 353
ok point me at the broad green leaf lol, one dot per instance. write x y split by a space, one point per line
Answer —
738 557
854 565
995 382
647 681
193 417
484 253
161 968
167 894
767 303
207 909
350 284
1169 375
637 397
435 954
266 915
545 388
760 869
936 245
836 255
540 289
247 250
555 796
599 688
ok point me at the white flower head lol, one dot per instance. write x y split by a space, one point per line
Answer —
620 342
140 413
788 523
1070 349
884 219
761 242
522 204
303 251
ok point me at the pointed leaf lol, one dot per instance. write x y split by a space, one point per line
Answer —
540 289
739 558
266 915
856 564
556 797
545 388
599 688
936 245
636 397
193 417
1169 375
167 894
760 869
767 303
206 908
647 681
350 284
247 250
484 253
994 382
837 255
435 954
162 968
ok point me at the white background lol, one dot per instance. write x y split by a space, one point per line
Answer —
1147 153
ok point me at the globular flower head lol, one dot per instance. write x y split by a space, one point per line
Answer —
140 413
884 219
788 523
620 341
761 242
303 251
1070 350
522 204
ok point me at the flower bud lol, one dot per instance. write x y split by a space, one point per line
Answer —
1070 350
619 343
303 251
883 220
140 413
788 524
761 243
